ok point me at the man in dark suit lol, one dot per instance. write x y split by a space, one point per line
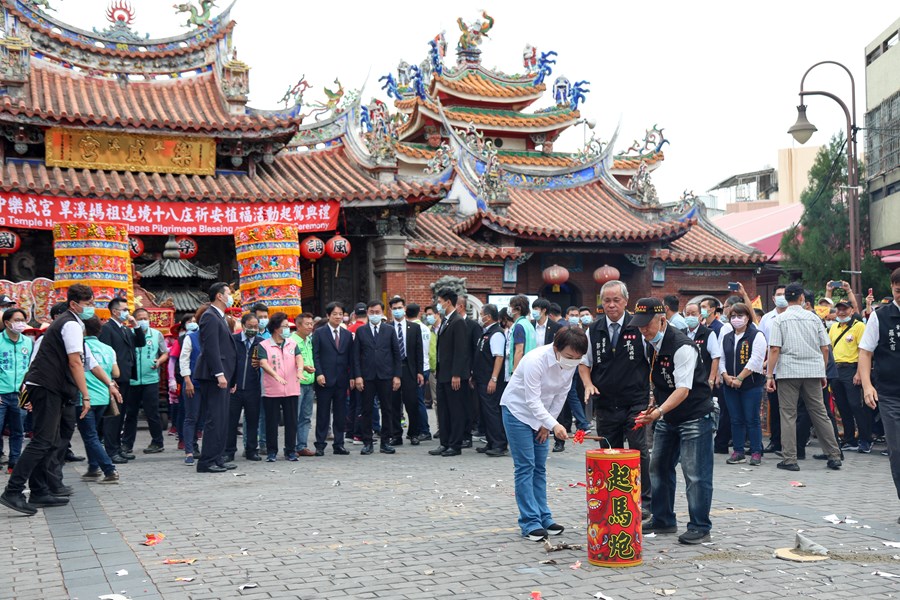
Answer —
247 395
453 370
472 403
332 357
409 341
120 333
376 366
545 328
215 373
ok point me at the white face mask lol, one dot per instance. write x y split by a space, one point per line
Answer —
568 363
19 327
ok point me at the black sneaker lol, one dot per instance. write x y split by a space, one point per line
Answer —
495 452
425 437
153 449
853 445
118 459
482 449
559 446
650 527
834 464
47 501
692 536
538 535
885 453
788 466
128 453
65 490
555 529
18 503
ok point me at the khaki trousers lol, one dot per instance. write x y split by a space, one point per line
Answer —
789 393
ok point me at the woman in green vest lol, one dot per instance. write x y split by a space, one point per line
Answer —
100 467
522 335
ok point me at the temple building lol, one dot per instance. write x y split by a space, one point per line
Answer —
461 179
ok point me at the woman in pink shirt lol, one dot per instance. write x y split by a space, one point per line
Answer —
282 367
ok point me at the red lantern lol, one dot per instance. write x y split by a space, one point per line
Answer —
312 248
135 246
187 247
605 273
556 276
10 242
337 248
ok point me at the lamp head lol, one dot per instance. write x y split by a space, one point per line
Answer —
802 130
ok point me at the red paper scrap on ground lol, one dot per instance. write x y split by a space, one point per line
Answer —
535 596
179 561
153 539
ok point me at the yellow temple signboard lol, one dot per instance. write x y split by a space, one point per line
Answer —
86 149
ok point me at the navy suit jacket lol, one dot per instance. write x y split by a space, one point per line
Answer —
246 377
376 358
332 362
217 354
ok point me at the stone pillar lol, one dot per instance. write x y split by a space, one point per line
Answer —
390 265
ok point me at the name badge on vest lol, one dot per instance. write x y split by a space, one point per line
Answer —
630 340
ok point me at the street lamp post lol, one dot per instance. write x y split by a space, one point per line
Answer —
802 130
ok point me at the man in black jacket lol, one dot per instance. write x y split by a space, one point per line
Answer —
545 328
487 369
247 394
215 372
332 358
409 342
472 411
121 333
376 365
453 371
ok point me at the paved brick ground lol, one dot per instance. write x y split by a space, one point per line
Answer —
416 526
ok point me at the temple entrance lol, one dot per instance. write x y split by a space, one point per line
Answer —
568 295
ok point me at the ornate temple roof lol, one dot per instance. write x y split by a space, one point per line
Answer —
706 243
178 268
435 236
475 82
587 213
327 174
58 96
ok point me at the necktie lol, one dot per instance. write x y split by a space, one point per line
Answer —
614 334
402 345
248 343
337 339
376 331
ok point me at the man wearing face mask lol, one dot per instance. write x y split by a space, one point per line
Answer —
453 369
143 391
765 325
710 310
409 342
523 339
845 337
584 314
247 395
122 334
486 371
684 422
262 315
412 313
15 353
544 327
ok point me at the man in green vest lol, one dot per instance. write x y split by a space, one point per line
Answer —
522 334
144 390
15 354
303 337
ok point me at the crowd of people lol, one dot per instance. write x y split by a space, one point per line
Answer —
678 383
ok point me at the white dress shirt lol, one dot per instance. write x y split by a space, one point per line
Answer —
588 359
538 388
713 346
685 362
184 359
757 353
872 334
540 332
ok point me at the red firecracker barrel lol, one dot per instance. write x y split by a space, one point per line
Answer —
614 507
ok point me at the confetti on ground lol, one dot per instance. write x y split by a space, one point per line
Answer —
798 484
743 484
153 539
576 565
121 572
888 575
602 596
179 561
892 544
184 579
248 586
665 592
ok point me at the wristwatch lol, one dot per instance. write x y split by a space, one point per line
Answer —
494 379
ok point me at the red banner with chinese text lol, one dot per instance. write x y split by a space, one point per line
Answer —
151 217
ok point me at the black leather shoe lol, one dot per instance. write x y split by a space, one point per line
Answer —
467 444
771 448
47 501
397 441
118 460
18 503
230 466
367 449
339 450
153 449
229 457
559 446
127 454
71 457
788 466
255 457
437 451
320 451
425 437
387 449
414 441
834 464
65 490
212 469
495 452
482 449
451 452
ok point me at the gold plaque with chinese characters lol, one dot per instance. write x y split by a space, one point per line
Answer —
86 149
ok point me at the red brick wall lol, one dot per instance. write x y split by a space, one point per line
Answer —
481 280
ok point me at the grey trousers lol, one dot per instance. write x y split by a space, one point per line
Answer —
889 406
789 393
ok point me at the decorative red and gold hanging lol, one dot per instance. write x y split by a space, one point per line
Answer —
556 276
337 248
606 273
10 242
135 246
187 247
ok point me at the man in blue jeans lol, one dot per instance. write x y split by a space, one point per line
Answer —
685 423
15 354
303 337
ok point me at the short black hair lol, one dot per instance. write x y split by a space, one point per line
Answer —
582 308
141 309
431 308
10 312
115 303
504 315
732 300
448 294
329 308
395 300
412 310
571 308
555 309
259 307
185 320
541 304
373 304
58 309
92 326
491 311
305 315
216 289
79 293
809 296
793 292
275 321
895 276
713 303
571 337
671 302
246 317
